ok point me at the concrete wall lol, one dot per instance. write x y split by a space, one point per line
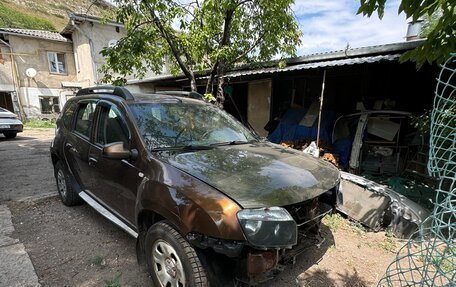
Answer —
88 51
259 104
6 72
83 58
32 53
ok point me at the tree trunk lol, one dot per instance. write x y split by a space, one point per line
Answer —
193 84
220 81
210 81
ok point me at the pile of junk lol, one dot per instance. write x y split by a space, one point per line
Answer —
382 157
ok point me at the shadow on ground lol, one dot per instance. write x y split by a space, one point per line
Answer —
18 138
321 278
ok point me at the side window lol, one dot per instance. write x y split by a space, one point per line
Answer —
111 127
68 114
84 118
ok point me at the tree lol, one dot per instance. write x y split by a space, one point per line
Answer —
200 37
441 40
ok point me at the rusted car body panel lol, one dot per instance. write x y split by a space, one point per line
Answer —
379 207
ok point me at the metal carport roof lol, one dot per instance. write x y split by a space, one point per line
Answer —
314 65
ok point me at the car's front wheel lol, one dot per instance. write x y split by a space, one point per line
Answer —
171 260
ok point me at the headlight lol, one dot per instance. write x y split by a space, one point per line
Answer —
271 227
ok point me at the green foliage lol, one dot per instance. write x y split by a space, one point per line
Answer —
389 244
333 221
114 282
441 40
35 123
357 228
422 122
202 35
430 22
99 261
209 97
13 18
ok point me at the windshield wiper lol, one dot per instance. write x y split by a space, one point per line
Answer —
184 148
233 143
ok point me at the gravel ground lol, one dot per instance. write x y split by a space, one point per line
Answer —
25 165
78 247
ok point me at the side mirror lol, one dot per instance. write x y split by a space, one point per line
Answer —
117 150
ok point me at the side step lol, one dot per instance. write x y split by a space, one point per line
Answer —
106 213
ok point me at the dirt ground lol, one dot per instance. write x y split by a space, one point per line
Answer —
78 247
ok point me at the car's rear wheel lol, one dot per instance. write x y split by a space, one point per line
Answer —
68 196
10 135
171 260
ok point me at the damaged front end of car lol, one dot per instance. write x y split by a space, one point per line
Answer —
275 237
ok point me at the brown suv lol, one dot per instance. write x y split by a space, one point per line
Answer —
209 202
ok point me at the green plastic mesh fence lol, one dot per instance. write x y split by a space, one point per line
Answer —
429 257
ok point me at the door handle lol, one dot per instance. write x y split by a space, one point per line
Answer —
71 148
92 161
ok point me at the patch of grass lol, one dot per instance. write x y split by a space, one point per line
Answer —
114 282
13 18
333 221
389 244
99 261
35 123
447 265
357 228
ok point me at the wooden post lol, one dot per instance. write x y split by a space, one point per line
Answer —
321 106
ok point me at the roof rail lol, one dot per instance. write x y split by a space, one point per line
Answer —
117 91
193 95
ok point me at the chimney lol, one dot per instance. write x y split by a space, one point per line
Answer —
414 30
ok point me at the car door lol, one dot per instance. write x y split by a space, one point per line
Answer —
77 144
115 181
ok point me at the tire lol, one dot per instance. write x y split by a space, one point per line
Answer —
68 196
171 260
10 135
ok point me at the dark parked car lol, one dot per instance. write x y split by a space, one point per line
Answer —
209 202
10 125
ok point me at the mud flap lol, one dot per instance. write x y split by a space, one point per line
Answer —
140 248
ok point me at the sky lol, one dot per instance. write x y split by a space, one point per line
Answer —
329 25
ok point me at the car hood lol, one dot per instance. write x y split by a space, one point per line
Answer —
258 175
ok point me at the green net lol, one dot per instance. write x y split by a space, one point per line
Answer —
429 256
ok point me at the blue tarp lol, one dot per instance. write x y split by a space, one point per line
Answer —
290 130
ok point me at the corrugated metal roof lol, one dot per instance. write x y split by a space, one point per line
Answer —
48 35
314 65
330 59
390 48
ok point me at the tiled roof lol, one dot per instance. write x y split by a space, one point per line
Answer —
42 34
